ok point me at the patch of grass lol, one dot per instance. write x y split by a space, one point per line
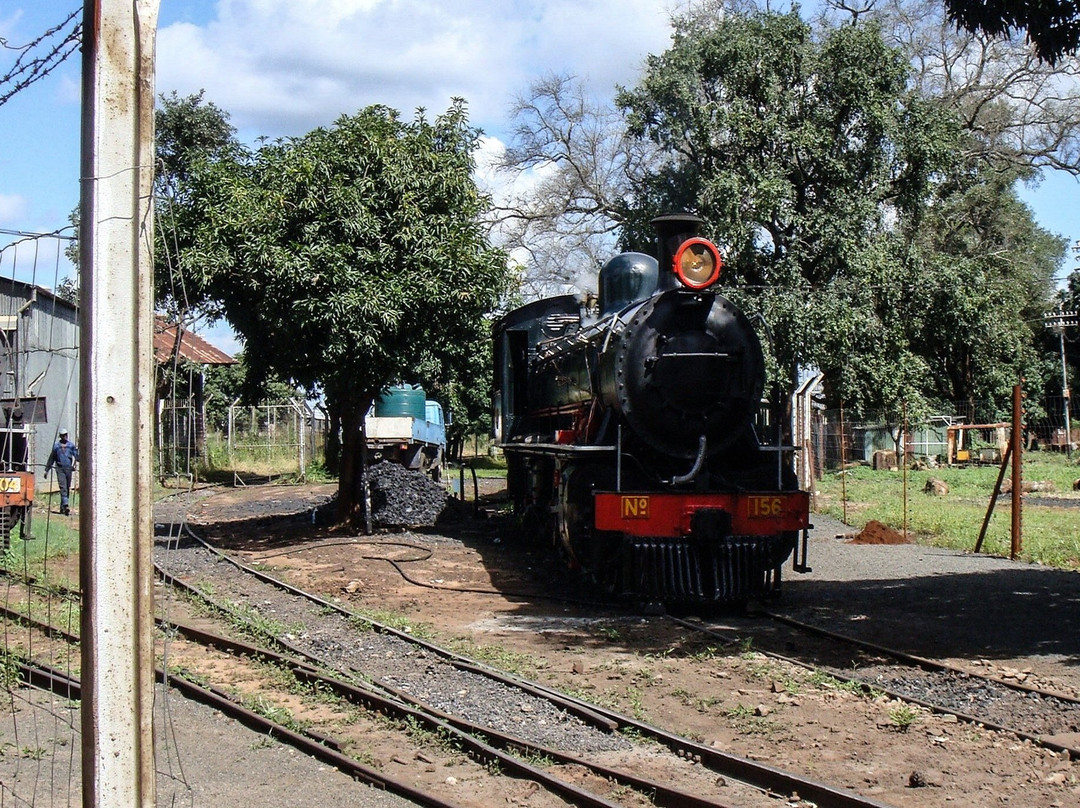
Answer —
759 667
788 684
496 656
953 521
633 733
263 706
903 715
707 653
608 632
635 697
316 473
826 681
646 677
395 620
245 617
745 720
9 671
485 462
440 739
52 537
739 712
701 704
535 759
185 672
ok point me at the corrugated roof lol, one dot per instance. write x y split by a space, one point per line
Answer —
192 347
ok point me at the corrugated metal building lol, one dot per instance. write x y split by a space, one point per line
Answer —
39 363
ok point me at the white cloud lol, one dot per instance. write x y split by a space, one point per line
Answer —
286 66
12 209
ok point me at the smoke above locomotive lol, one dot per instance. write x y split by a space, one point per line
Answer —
628 430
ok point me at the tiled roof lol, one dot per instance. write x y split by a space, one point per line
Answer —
192 347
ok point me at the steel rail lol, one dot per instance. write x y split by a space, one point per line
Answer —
761 776
403 706
918 661
1071 751
585 712
49 679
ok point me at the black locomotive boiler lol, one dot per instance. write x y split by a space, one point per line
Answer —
628 429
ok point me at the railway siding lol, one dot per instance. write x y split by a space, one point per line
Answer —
728 698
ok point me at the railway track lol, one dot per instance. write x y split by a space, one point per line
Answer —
1029 713
506 712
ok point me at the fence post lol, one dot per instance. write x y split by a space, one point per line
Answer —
117 391
1017 471
843 464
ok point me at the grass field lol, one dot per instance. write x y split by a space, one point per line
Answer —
1050 527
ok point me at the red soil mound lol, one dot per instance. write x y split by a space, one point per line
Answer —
877 533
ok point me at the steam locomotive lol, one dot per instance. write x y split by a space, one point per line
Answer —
629 431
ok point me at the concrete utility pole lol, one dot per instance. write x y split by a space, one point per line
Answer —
1060 320
116 395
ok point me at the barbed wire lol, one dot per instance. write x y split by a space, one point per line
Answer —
29 68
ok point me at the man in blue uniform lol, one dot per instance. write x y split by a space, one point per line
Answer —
63 456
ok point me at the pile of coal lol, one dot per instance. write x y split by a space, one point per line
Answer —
400 496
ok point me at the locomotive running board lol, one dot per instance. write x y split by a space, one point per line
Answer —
554 448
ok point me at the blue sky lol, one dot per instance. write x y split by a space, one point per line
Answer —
283 67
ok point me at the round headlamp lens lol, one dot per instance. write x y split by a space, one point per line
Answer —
697 263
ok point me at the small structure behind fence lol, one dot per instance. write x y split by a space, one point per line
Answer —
942 438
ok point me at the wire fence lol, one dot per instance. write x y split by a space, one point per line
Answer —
39 383
272 438
886 439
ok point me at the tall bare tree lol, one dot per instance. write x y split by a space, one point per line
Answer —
1023 113
572 167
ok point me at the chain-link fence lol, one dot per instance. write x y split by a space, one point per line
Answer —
834 437
268 439
273 438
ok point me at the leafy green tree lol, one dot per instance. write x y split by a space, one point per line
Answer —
982 278
797 149
347 257
226 384
190 133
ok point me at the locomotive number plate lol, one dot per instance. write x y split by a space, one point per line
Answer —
636 507
10 485
764 507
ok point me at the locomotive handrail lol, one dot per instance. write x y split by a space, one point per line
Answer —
554 448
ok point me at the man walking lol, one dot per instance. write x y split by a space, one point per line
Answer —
63 456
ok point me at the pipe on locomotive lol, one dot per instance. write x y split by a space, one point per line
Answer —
695 470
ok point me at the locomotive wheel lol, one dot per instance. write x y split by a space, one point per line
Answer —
593 552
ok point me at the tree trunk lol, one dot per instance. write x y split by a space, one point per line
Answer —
348 476
352 477
332 451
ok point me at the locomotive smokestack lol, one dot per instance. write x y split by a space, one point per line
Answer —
672 229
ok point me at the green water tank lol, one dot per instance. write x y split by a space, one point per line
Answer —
401 401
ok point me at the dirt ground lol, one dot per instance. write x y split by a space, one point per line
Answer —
474 586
